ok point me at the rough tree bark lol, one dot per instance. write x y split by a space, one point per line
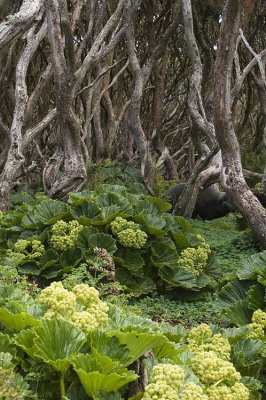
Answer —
231 174
141 75
15 157
69 151
206 170
15 25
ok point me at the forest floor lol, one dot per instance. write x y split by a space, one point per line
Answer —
232 242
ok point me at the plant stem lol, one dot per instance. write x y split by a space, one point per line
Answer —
62 386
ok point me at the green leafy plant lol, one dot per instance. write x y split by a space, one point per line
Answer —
129 236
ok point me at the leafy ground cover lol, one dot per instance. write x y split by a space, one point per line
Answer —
108 296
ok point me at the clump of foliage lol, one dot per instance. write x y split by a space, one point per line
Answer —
114 173
92 361
243 302
212 374
129 236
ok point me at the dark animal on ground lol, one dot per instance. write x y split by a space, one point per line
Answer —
210 203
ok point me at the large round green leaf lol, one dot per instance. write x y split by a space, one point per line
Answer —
16 322
56 341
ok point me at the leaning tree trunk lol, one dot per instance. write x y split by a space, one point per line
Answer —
15 156
69 152
207 168
232 175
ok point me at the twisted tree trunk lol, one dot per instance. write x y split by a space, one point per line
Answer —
69 152
232 175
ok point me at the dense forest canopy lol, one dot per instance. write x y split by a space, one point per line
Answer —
163 85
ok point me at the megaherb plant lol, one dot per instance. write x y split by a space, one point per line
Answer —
129 236
243 302
65 346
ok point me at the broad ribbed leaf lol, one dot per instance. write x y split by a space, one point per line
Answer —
107 396
70 257
87 209
154 224
253 266
49 258
184 224
102 240
162 205
203 280
181 240
256 297
29 267
239 313
56 340
50 211
171 223
114 199
5 344
170 351
79 197
16 322
213 267
24 340
137 284
232 292
29 222
96 362
164 252
56 271
178 277
94 382
107 376
110 346
109 187
132 259
83 237
139 343
246 356
143 206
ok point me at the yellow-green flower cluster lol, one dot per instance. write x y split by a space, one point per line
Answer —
172 375
201 339
159 391
82 306
1 215
195 259
89 298
32 249
258 325
236 392
59 301
65 234
128 233
211 369
259 317
167 382
211 364
191 391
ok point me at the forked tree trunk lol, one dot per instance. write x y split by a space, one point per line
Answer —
69 152
232 175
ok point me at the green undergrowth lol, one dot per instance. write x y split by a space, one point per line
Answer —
187 314
231 245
